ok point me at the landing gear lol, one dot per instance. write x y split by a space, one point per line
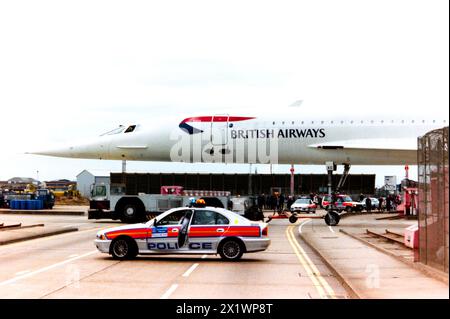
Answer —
333 217
293 218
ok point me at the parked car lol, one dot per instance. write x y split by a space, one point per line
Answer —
343 202
304 204
375 203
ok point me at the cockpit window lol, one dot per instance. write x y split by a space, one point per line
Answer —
130 129
115 131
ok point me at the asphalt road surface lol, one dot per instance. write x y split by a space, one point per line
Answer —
69 266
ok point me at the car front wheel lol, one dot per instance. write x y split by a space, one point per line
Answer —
231 250
123 248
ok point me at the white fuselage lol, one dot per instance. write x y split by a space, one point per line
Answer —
293 137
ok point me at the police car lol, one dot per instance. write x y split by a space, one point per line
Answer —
195 230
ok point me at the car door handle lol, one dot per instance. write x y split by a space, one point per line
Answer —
175 230
220 230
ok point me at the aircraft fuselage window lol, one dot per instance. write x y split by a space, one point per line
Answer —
130 129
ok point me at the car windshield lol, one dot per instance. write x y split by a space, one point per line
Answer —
302 201
347 199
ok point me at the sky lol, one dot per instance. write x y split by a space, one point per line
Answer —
76 69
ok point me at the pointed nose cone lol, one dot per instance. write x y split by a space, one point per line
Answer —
83 150
55 152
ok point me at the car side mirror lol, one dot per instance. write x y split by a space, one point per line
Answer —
155 222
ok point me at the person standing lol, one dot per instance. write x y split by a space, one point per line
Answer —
368 204
380 204
274 202
281 203
290 201
388 203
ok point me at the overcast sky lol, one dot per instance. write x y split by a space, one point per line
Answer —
75 69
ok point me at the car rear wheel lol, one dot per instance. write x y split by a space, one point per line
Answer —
123 248
231 250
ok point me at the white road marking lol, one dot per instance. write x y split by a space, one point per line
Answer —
169 291
22 272
302 224
27 275
74 255
190 270
331 229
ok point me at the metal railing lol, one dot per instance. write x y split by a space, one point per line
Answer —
432 159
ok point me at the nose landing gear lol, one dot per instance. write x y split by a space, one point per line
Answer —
333 217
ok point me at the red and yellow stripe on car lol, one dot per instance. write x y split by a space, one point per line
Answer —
140 233
211 231
243 231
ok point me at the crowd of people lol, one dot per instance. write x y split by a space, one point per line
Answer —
279 202
388 203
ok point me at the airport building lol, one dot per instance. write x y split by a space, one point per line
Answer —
242 184
86 179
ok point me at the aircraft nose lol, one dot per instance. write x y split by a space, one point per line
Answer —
70 152
82 150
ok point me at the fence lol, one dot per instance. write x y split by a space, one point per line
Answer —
432 158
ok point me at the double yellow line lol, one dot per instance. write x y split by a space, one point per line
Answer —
322 286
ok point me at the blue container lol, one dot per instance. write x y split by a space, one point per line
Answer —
39 204
32 205
13 204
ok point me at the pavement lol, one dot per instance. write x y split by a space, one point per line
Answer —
368 272
28 233
50 225
69 266
57 210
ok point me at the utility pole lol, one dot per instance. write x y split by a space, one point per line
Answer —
292 179
250 191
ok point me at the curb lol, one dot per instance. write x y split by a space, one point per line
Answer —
426 270
52 233
344 281
45 212
346 214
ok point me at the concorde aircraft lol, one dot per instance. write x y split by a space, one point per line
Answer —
293 135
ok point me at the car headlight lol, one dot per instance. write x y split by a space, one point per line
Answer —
101 236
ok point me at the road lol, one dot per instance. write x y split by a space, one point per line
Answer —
69 266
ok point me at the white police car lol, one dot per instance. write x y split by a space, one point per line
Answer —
205 230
